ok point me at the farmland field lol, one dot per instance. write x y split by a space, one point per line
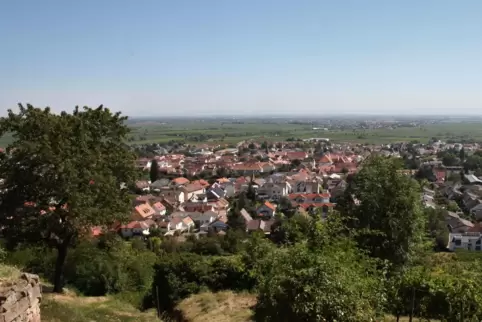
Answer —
217 131
212 131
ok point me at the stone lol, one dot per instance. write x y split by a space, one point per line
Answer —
8 298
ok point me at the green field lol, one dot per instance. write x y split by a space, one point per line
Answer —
197 132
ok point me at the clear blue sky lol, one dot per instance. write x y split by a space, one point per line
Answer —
201 57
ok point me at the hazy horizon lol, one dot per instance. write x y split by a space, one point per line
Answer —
215 57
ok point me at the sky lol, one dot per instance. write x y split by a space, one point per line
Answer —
244 57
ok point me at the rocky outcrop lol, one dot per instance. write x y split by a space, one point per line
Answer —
20 299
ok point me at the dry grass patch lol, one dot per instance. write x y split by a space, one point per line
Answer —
73 308
218 307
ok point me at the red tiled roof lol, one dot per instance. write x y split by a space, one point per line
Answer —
269 205
180 180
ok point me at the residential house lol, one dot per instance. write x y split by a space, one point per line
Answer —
159 208
471 179
245 216
215 192
338 189
175 193
218 226
470 200
476 211
313 201
135 228
188 224
325 160
260 225
142 212
159 184
467 241
171 225
200 218
456 224
296 155
179 181
192 190
142 186
266 210
274 191
306 186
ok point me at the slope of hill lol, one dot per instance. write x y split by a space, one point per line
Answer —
73 308
217 307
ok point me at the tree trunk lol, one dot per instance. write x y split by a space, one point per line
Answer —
59 267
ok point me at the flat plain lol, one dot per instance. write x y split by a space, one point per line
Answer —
221 132
193 131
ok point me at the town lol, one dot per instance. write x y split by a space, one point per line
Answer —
190 194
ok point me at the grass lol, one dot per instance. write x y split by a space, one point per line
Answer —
73 308
231 307
218 307
8 273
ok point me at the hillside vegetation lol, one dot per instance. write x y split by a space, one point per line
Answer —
73 308
218 307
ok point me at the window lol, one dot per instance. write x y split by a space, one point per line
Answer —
458 242
477 247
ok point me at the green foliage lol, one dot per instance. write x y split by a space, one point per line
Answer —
180 275
154 173
95 268
473 162
304 284
69 169
436 227
290 230
388 222
447 290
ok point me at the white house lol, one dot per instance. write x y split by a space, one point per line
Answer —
467 241
274 190
192 190
306 186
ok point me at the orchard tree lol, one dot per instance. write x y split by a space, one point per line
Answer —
387 217
63 174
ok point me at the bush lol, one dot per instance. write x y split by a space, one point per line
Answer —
180 275
304 285
37 260
116 267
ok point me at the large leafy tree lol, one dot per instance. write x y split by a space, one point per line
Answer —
63 174
327 280
382 206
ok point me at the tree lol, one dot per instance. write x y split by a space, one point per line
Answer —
291 230
387 220
336 284
450 160
63 175
436 227
295 163
154 171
